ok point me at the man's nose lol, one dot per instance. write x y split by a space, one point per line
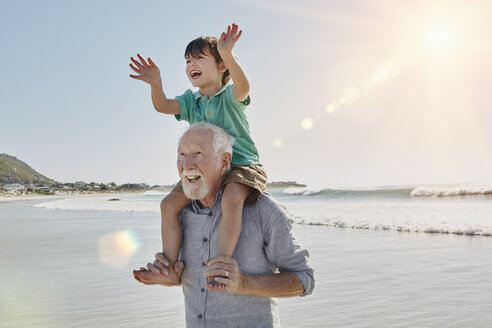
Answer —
189 162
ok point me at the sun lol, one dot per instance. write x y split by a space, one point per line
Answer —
439 37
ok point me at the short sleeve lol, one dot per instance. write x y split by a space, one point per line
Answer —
185 105
230 98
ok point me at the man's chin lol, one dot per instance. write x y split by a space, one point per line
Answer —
195 192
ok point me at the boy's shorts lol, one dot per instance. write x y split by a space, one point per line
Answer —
253 176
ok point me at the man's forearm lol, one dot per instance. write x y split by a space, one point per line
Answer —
284 284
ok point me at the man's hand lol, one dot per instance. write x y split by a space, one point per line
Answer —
227 275
147 71
158 273
227 40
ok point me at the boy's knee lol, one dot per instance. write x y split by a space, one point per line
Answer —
168 206
235 196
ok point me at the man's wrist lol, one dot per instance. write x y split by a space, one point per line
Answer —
245 284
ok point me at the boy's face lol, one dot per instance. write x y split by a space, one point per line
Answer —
203 71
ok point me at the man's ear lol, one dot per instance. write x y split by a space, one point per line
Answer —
222 67
225 163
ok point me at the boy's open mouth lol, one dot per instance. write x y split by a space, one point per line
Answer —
195 74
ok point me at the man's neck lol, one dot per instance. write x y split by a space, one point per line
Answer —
209 200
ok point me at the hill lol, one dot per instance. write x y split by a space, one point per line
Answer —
13 170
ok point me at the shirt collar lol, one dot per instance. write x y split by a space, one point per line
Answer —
198 95
197 208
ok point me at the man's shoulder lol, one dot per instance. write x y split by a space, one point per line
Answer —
268 208
266 200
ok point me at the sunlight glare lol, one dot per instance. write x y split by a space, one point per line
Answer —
330 108
380 75
307 123
278 143
351 95
439 37
116 249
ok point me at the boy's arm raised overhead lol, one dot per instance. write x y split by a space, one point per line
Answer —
224 46
149 73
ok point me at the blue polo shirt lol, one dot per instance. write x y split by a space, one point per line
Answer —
223 110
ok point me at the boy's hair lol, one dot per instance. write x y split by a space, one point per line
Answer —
197 48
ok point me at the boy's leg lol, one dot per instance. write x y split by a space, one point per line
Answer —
232 212
171 232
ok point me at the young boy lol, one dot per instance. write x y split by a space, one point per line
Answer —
210 65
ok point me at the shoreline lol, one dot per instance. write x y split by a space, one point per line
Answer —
15 197
10 197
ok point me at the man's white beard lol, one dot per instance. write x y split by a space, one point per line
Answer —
200 191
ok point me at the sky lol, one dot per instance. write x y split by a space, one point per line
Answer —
343 93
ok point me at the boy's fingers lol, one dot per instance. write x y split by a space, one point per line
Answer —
144 63
151 62
238 35
135 69
136 62
135 77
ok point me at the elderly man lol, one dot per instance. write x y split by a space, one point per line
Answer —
268 262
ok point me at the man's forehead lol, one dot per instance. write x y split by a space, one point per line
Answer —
199 137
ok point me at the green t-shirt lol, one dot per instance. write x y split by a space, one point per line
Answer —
223 110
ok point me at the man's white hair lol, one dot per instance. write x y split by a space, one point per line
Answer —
222 140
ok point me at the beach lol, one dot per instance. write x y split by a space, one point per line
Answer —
69 264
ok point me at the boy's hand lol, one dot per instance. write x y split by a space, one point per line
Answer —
147 71
228 39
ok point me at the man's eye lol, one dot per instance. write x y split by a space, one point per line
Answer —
198 153
188 61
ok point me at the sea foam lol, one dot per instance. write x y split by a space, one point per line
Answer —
386 209
451 191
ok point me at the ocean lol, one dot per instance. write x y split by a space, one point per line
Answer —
384 257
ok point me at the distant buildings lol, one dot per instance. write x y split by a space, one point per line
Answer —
14 187
80 186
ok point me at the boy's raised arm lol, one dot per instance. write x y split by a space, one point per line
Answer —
224 46
149 73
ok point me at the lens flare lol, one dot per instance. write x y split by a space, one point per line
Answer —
307 123
116 249
439 37
278 143
330 108
380 75
351 95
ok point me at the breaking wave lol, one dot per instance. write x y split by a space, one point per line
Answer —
392 192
